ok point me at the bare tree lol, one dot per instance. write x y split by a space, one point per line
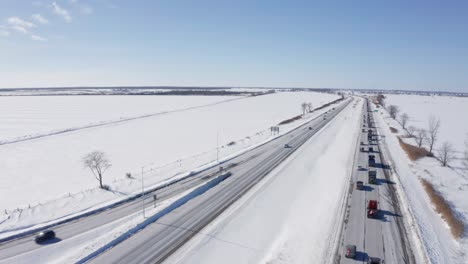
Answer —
309 107
381 100
98 163
411 131
433 131
304 108
446 153
404 120
393 110
420 137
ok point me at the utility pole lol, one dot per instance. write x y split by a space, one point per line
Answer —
143 192
217 147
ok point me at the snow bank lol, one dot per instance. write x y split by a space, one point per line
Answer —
290 216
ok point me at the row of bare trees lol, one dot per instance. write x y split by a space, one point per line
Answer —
429 135
306 107
423 137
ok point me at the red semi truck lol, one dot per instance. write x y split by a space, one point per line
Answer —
372 209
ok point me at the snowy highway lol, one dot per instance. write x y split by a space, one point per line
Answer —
383 237
255 164
159 240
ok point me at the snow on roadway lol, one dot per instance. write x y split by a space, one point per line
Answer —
47 173
73 249
291 216
437 242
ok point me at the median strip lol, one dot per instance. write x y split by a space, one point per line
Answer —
198 191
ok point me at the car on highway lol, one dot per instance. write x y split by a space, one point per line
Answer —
372 209
359 185
350 251
374 260
310 128
287 146
44 236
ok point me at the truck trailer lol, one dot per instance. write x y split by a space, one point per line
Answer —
372 177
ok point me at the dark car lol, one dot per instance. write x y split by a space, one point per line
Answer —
287 146
350 251
310 128
44 236
372 260
359 185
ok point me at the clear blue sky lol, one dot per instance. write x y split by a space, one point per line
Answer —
351 44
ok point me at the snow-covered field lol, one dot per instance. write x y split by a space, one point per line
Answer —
437 242
23 117
46 173
450 110
291 216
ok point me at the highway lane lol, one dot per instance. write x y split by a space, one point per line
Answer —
383 237
77 227
160 239
72 229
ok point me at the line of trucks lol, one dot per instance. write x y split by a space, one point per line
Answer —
372 209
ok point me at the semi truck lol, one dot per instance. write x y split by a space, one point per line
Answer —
372 209
371 161
372 177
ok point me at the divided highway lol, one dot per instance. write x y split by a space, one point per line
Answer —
383 237
159 240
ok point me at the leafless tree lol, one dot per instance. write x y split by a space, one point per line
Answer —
309 107
393 110
98 163
381 100
420 137
433 131
446 153
411 131
404 120
304 108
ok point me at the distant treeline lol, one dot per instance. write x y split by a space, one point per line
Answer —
64 92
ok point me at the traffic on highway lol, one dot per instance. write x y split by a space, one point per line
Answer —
374 231
156 242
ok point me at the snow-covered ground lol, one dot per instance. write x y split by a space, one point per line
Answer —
23 117
291 215
436 240
450 110
45 180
